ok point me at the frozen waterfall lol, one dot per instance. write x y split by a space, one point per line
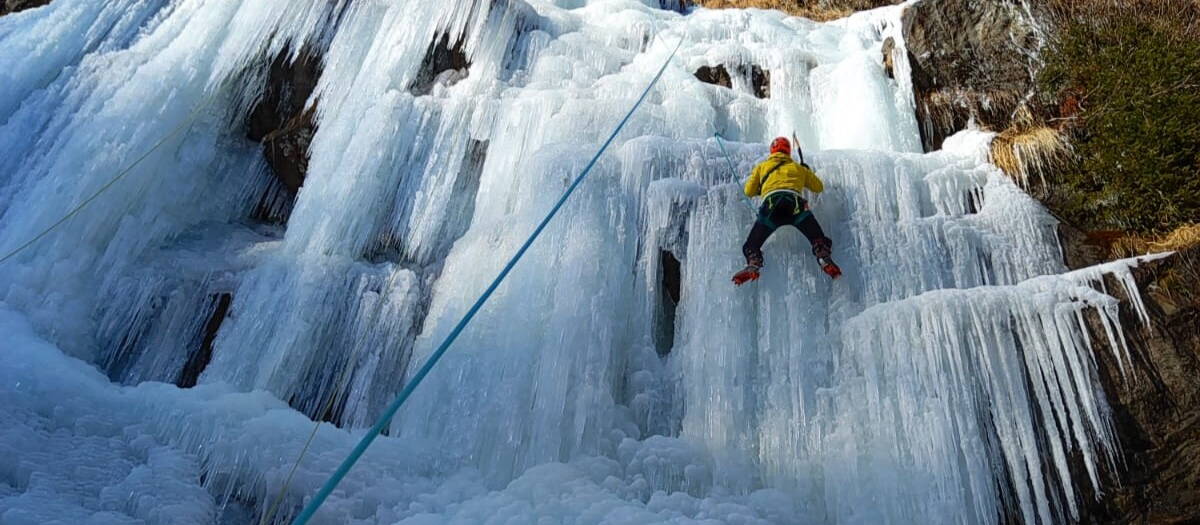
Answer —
949 377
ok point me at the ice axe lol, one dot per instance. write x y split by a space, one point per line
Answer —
796 146
800 152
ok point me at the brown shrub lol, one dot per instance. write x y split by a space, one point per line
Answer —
819 10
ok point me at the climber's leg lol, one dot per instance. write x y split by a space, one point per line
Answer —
763 227
752 248
822 246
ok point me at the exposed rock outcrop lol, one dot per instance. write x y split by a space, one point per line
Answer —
977 61
1154 403
12 6
889 59
445 63
671 280
760 80
972 60
756 77
282 121
715 75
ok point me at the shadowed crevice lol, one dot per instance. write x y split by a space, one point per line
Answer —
444 62
671 278
199 359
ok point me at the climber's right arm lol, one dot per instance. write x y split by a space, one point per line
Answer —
754 184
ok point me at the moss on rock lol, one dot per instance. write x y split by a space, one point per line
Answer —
1130 82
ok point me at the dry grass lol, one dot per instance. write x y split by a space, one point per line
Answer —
791 7
1177 287
1023 152
1181 239
1181 16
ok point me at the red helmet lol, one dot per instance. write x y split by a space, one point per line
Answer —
781 145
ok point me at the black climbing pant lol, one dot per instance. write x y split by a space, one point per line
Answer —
782 209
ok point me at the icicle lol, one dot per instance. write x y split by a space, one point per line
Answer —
618 374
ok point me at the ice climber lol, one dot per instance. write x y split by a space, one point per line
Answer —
779 179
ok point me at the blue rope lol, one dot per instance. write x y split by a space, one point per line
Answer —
732 170
721 144
384 420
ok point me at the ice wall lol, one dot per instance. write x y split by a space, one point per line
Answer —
947 378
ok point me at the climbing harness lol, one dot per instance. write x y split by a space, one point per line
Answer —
120 175
311 508
800 209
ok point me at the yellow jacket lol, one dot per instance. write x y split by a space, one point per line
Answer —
788 176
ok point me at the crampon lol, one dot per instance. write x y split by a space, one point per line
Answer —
830 269
749 273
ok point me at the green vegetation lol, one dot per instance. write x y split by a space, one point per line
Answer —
1129 78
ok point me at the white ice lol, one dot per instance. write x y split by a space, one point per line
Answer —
910 391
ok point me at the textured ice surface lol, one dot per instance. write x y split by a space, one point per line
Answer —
946 374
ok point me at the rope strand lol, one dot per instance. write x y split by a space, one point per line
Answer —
386 418
120 175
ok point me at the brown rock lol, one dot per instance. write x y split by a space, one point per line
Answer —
1156 407
1081 249
889 62
286 149
971 59
820 10
717 76
758 78
12 6
281 121
444 62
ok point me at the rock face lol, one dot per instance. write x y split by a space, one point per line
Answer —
281 121
12 6
971 60
760 80
889 59
444 63
1156 404
756 77
717 76
975 60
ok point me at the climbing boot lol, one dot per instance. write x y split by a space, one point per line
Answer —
830 269
749 273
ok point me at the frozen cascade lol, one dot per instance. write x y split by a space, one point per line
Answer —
947 377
